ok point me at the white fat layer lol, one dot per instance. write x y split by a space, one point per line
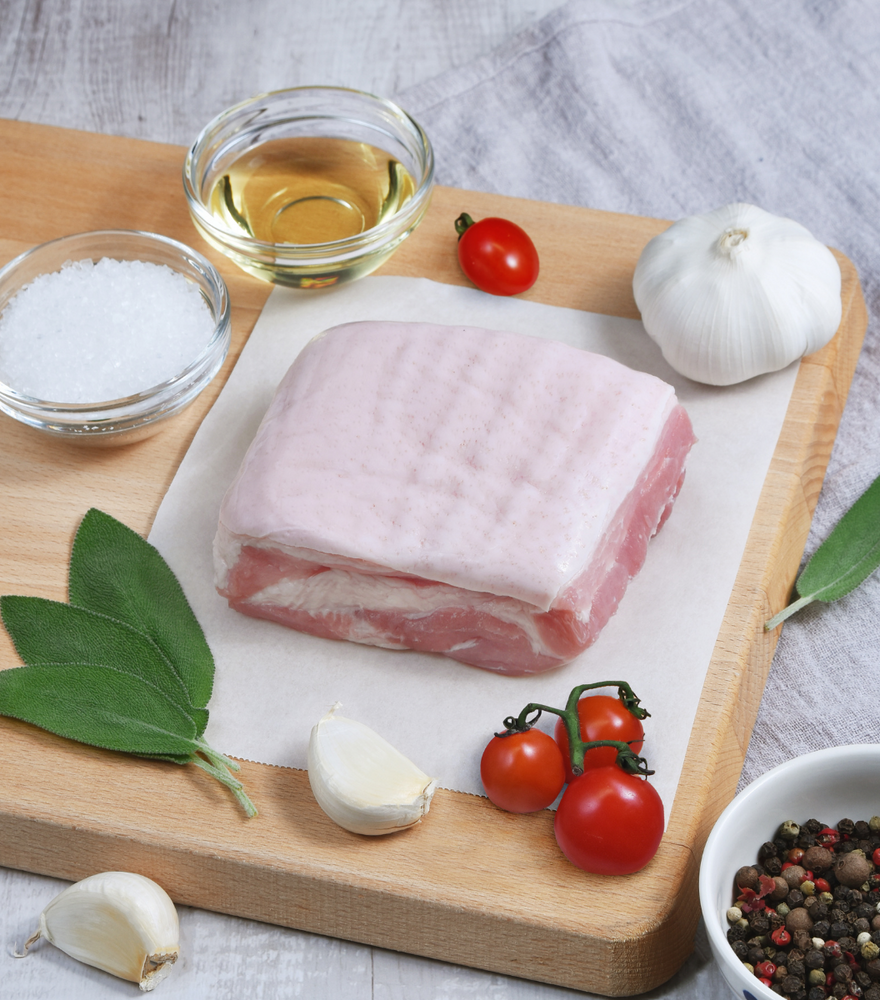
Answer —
341 591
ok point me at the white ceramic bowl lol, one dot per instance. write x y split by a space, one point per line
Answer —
827 785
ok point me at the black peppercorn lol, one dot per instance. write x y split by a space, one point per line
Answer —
797 968
817 993
802 941
766 850
822 929
843 972
741 950
846 827
736 933
773 866
795 899
839 930
756 954
814 959
873 970
872 993
814 826
759 922
792 983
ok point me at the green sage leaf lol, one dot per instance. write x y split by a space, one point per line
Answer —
99 706
50 632
847 557
125 666
115 572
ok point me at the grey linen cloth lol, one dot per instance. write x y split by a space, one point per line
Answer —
668 108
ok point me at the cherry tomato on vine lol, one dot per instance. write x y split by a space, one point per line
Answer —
603 717
609 822
522 772
496 255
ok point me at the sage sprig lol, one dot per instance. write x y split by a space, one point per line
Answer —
125 665
847 557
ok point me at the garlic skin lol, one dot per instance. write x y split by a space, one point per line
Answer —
736 293
120 922
362 782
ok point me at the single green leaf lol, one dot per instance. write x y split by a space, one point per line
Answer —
50 632
847 557
115 572
99 706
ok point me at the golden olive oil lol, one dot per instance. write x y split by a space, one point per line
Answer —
310 190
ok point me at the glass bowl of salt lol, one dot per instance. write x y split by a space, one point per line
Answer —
103 335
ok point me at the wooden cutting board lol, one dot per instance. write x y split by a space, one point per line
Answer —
474 885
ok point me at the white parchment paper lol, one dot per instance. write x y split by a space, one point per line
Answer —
272 684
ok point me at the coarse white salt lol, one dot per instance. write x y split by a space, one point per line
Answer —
94 332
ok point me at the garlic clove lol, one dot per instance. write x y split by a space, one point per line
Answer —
362 782
736 293
120 922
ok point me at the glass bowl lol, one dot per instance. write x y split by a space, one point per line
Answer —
132 417
828 785
309 187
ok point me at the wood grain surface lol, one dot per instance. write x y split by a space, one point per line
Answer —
453 887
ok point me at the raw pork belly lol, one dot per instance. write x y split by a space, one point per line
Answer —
461 491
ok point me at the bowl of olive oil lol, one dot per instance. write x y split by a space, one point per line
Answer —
309 187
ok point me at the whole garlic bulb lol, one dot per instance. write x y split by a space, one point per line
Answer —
362 782
120 922
736 293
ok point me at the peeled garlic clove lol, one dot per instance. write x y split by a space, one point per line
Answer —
120 922
736 293
362 782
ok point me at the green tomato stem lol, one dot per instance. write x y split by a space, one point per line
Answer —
463 223
626 758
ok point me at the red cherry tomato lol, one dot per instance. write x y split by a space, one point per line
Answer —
609 822
522 772
497 255
603 717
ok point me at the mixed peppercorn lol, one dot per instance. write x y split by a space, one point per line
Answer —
806 918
